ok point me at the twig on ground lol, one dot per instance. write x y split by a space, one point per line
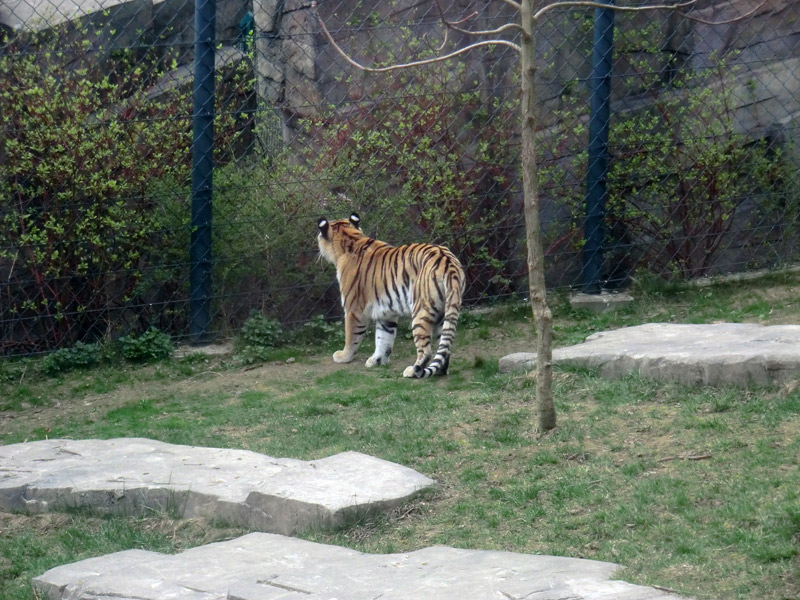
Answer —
665 589
686 457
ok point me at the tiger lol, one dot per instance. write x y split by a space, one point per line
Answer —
382 283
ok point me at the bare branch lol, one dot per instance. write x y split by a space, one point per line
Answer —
444 40
590 4
416 63
671 7
474 14
508 26
454 25
447 31
500 29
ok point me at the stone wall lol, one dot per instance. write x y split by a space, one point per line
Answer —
120 24
297 70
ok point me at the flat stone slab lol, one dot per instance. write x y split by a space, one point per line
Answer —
599 303
715 354
239 487
262 566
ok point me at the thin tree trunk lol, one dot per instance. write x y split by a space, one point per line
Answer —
542 316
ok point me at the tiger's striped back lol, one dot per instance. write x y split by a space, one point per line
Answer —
381 282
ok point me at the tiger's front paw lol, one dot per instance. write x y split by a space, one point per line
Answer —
410 372
340 356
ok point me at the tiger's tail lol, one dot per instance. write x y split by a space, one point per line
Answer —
454 288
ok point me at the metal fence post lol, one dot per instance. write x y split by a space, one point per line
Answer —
596 192
202 172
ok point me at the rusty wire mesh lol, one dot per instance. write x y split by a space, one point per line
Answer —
96 152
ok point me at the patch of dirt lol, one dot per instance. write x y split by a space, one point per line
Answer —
219 377
182 533
12 524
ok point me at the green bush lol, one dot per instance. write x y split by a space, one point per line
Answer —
261 335
150 346
436 168
82 143
264 241
318 330
261 331
258 338
79 356
91 144
680 173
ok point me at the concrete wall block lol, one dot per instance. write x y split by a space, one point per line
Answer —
269 59
265 13
298 42
771 33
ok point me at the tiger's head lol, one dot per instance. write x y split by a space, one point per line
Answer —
338 237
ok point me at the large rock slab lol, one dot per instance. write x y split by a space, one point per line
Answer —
136 476
714 354
263 566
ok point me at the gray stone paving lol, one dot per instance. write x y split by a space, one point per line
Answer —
600 303
263 566
713 354
136 476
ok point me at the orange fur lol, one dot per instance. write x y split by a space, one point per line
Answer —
382 283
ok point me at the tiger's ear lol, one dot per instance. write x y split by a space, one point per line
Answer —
322 224
355 220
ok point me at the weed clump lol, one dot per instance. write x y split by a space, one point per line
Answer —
79 356
152 345
261 336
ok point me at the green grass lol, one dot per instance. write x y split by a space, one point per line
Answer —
695 489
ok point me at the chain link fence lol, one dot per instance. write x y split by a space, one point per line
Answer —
96 105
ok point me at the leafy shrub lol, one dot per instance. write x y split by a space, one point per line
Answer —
79 356
682 180
91 139
261 331
81 146
258 338
437 167
318 330
150 346
265 214
681 175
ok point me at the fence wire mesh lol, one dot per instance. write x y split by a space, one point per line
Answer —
96 152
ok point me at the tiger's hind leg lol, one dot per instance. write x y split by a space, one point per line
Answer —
385 332
436 336
421 326
442 331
